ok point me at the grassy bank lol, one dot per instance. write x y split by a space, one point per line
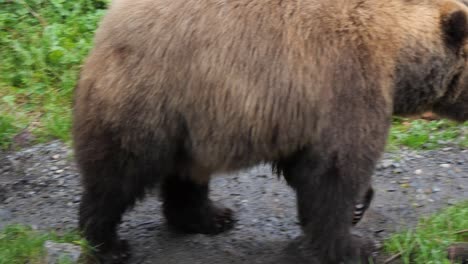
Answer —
428 243
42 44
20 244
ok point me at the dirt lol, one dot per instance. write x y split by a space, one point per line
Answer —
39 185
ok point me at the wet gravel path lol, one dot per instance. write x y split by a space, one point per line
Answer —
39 185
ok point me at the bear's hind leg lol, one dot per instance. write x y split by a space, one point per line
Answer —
113 180
188 208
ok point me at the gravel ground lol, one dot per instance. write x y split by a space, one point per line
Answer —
39 185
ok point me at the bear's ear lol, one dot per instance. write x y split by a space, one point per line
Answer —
455 27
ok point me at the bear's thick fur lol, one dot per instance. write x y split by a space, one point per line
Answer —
176 90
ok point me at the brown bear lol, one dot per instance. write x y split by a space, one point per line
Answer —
177 90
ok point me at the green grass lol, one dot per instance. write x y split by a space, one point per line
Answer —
428 243
42 44
422 134
20 244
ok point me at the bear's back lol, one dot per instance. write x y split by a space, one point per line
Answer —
243 70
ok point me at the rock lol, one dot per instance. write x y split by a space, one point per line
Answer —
417 172
386 163
428 191
421 197
451 201
59 251
5 214
8 200
445 165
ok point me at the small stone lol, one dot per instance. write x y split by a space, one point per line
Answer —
386 163
273 219
56 156
421 197
435 189
417 172
5 214
54 168
58 171
445 165
451 201
428 191
57 252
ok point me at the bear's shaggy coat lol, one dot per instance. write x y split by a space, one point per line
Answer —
176 90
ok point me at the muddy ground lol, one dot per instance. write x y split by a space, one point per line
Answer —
39 185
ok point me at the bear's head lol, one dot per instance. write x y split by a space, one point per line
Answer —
454 103
432 69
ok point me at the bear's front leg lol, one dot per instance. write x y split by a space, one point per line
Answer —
188 208
327 188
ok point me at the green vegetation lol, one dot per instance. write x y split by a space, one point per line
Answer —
420 134
428 243
20 244
42 44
